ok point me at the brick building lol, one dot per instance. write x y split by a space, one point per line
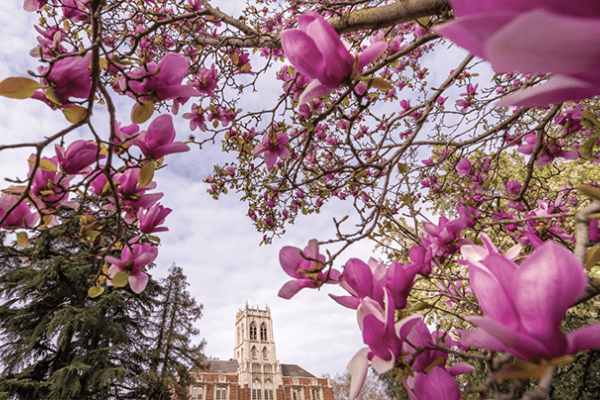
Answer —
254 373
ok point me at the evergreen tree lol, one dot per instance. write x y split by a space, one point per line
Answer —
59 343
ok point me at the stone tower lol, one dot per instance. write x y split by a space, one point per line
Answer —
254 351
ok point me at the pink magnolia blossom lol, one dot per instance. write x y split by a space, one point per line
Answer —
78 156
463 167
362 280
157 141
160 81
48 188
124 135
68 77
134 197
150 219
206 81
273 146
306 273
383 335
197 118
133 259
316 50
438 384
20 217
524 304
536 36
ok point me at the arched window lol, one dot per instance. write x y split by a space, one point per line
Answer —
256 390
269 391
254 353
238 335
296 394
316 394
263 332
221 393
252 331
265 354
197 393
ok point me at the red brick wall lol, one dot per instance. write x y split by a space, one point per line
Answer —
327 393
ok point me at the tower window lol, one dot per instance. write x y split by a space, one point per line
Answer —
263 332
256 390
254 353
252 331
265 354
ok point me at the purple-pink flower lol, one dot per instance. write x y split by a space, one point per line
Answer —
157 141
160 81
68 77
316 50
524 304
273 146
301 265
20 217
78 156
363 280
536 36
133 259
151 218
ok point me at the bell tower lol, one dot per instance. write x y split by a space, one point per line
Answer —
254 349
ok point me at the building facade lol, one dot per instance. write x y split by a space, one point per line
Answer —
254 373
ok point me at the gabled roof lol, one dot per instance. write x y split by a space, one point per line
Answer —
219 367
294 370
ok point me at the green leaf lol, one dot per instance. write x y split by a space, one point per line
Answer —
95 291
50 95
438 361
18 88
523 370
587 148
420 306
147 174
45 164
592 258
22 239
75 114
379 83
589 120
403 168
142 112
589 191
120 279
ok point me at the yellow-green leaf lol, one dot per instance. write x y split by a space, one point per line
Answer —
17 191
45 164
592 258
91 235
438 361
95 291
46 220
142 112
75 114
403 168
22 239
523 370
18 88
589 191
381 84
147 174
50 95
587 148
153 238
420 306
120 279
589 120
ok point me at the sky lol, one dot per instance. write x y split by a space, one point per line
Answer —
213 241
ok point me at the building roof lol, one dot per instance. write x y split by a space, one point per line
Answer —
295 370
220 366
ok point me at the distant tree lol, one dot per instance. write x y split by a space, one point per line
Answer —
373 388
173 352
58 343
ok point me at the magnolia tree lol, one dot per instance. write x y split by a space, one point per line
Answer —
507 158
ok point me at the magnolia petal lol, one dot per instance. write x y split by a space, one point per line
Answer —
290 288
177 147
540 42
471 32
547 283
587 338
290 258
138 282
346 301
358 367
302 52
382 366
460 369
519 345
436 385
557 89
358 276
312 91
371 53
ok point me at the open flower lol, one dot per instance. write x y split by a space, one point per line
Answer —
158 140
524 304
306 267
316 50
536 36
133 259
273 146
78 156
